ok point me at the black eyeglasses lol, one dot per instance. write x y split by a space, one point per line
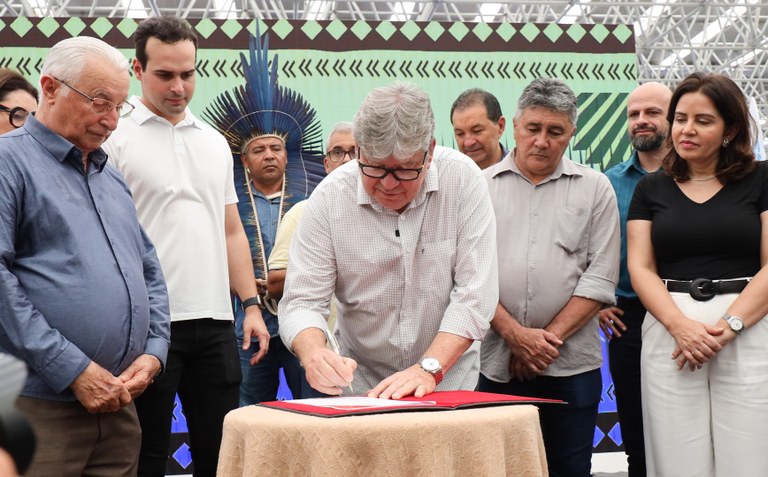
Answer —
378 172
17 116
100 105
337 154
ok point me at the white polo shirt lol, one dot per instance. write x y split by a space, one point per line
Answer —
181 179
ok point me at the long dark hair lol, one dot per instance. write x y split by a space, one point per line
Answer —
738 158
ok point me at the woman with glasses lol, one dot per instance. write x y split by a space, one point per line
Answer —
18 98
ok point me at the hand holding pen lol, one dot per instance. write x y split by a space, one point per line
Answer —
335 347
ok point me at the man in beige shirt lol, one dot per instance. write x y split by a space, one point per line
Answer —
558 265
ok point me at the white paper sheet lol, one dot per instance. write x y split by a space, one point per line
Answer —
359 402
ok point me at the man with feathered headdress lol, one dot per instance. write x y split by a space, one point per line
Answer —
275 142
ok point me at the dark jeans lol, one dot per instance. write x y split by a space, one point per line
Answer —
203 367
624 362
260 382
569 429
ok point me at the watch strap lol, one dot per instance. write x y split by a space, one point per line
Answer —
254 300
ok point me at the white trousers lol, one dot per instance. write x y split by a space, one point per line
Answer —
712 422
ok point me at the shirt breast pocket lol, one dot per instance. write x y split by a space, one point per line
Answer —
571 227
434 264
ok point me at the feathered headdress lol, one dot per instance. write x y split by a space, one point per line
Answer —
262 108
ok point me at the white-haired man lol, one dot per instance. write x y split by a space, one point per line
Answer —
83 300
405 238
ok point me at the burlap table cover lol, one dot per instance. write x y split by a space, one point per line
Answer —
479 442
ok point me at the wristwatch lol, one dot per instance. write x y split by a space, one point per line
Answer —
432 366
734 322
254 300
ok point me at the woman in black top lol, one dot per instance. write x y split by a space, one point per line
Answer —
697 245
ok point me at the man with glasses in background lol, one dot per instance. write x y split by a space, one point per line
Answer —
83 301
341 147
405 238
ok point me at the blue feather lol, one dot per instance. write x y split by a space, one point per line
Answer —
261 106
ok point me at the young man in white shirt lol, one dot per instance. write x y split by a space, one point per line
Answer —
179 170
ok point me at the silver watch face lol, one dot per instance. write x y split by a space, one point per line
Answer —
430 365
736 324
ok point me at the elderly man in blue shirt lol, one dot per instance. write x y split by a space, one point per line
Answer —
82 298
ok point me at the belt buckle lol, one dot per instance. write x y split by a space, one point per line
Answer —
702 289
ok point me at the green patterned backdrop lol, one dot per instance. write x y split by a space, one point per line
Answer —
335 63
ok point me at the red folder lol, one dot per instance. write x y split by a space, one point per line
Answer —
436 401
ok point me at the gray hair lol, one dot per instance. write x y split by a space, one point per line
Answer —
67 59
394 121
342 127
549 93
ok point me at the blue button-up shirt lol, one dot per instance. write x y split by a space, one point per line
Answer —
79 279
624 177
